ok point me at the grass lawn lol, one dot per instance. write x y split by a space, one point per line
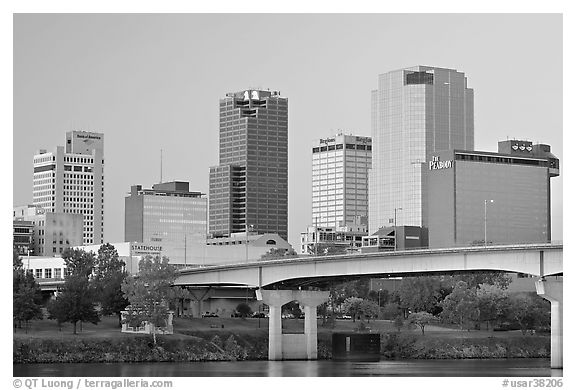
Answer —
108 328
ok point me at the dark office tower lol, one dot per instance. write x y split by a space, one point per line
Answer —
249 188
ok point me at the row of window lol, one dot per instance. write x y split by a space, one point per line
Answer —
326 148
81 160
49 273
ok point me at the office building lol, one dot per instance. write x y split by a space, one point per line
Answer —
249 187
23 236
317 240
49 233
340 180
415 112
340 166
70 180
479 197
395 238
168 216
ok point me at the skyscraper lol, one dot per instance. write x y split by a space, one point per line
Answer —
415 112
71 180
340 180
339 193
249 188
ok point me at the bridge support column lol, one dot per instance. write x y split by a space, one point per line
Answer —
551 290
275 299
310 299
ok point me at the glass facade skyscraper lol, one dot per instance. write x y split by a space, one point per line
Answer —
415 112
249 188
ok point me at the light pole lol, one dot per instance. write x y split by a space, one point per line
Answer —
396 209
485 218
379 309
247 227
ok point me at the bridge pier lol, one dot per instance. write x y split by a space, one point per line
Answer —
293 346
551 290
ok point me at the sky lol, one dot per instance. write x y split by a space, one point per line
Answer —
153 81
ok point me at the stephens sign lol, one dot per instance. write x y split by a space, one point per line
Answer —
436 164
364 140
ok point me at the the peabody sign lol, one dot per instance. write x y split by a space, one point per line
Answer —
138 249
436 164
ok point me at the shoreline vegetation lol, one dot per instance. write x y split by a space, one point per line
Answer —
243 340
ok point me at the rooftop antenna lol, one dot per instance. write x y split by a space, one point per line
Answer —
160 165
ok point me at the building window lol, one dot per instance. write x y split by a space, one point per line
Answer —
57 273
419 78
48 273
38 274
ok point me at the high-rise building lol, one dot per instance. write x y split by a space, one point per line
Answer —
340 166
70 180
494 198
249 187
415 112
340 180
167 217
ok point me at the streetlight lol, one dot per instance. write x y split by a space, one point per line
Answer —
247 228
395 235
485 219
379 309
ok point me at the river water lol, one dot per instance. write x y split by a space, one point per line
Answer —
321 368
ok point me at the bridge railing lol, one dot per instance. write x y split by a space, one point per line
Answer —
414 250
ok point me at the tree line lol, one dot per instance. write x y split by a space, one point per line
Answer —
96 285
471 301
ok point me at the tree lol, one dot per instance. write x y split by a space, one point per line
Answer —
353 307
109 274
325 249
79 262
461 305
529 311
26 296
421 293
76 302
421 319
499 279
398 323
149 292
369 309
279 253
391 310
243 309
292 308
491 303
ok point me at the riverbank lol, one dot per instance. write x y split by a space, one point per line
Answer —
234 346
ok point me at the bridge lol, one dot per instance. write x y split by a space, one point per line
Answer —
278 282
